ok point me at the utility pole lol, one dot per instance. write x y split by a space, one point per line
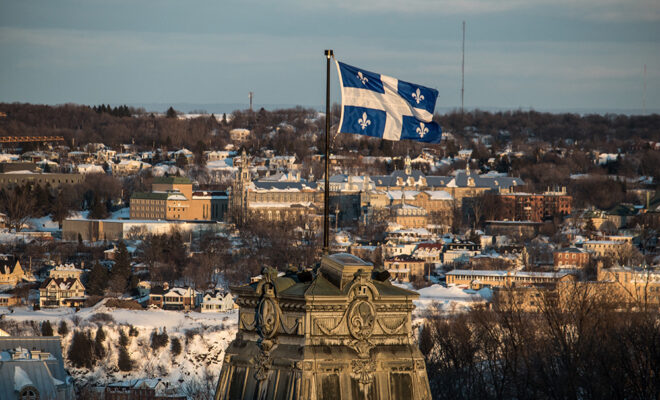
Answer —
463 71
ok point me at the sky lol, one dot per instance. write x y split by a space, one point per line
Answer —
553 55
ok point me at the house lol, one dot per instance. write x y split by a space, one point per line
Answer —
11 272
217 301
405 268
156 295
181 299
459 250
65 271
33 368
90 169
174 298
142 389
10 300
431 253
239 134
61 292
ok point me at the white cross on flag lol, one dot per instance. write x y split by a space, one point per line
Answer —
385 107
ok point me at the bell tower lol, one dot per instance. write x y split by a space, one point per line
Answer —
239 189
408 166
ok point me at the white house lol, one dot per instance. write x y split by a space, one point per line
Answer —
217 301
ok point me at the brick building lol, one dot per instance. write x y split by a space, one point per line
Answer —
173 198
534 206
571 257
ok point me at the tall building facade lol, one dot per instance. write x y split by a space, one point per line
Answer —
341 331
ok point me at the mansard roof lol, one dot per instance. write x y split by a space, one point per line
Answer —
284 186
332 279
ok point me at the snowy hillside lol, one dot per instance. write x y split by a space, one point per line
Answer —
203 338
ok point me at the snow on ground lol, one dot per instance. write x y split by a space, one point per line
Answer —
122 213
203 336
439 298
43 224
162 169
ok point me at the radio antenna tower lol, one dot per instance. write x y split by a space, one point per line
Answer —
250 95
463 72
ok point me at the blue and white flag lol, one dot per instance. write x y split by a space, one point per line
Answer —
385 107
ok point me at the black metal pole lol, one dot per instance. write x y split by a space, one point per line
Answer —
326 196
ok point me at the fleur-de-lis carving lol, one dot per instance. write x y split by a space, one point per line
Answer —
362 78
418 96
422 130
364 122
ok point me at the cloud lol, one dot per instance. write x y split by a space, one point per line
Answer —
600 10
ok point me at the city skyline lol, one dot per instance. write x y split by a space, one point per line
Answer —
554 56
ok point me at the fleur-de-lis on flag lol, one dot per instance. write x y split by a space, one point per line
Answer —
418 96
363 78
421 129
364 122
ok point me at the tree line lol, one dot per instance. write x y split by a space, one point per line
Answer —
584 347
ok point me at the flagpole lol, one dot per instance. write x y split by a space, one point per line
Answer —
326 197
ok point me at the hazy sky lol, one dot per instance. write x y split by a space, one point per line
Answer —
545 54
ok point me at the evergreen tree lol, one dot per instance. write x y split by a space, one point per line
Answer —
124 361
99 349
63 328
175 347
123 339
121 270
81 350
590 228
98 280
171 113
46 329
132 331
99 210
159 340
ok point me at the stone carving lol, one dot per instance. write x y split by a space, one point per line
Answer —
363 371
248 321
392 326
268 317
361 319
263 361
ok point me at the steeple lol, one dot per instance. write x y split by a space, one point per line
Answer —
408 166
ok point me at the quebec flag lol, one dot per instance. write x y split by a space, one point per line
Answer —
385 107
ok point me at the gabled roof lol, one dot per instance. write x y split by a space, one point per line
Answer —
62 284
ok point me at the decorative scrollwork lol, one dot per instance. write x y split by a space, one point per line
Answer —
363 371
361 319
268 317
392 328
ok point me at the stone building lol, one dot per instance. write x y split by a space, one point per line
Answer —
20 178
290 200
463 184
340 331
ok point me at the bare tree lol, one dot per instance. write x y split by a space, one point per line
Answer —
18 206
